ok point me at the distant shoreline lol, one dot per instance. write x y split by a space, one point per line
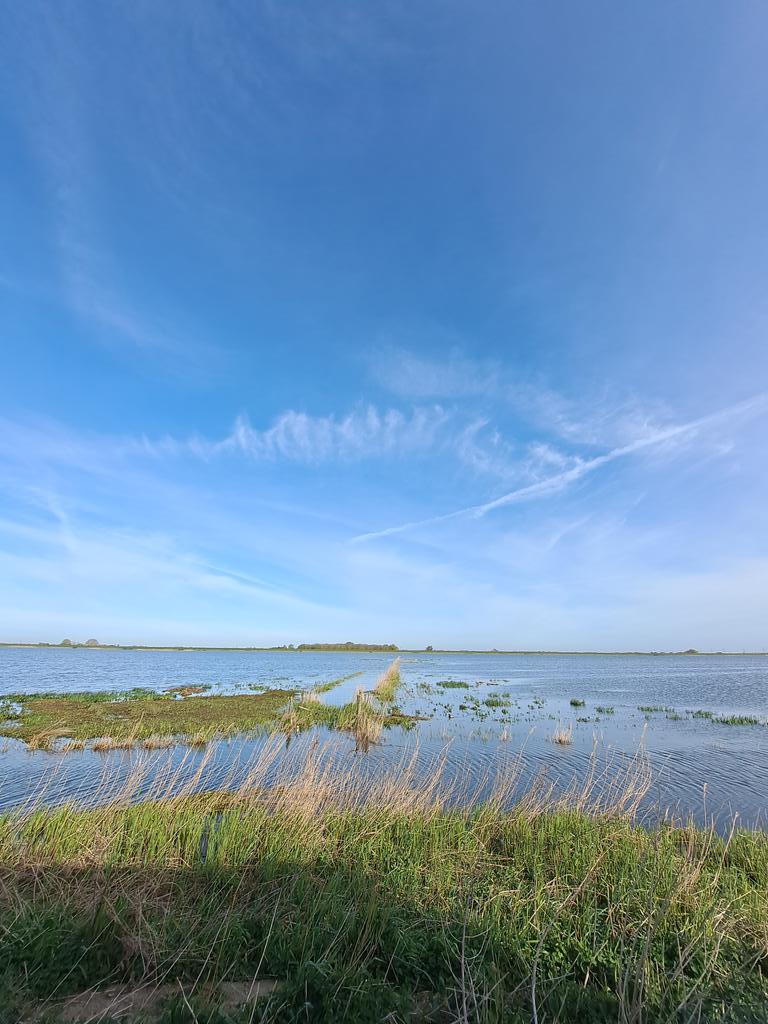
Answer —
370 649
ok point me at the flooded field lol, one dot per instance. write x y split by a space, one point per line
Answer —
698 724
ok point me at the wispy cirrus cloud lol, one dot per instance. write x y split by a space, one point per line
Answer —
598 419
411 375
581 467
363 433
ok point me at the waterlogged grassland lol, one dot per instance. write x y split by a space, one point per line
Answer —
372 901
109 720
51 719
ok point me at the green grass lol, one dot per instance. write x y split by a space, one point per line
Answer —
737 720
139 715
653 709
453 684
399 911
576 703
331 684
103 696
356 716
603 709
497 701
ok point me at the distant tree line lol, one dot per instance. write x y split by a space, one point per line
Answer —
348 646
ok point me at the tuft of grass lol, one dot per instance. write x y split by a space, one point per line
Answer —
603 709
652 709
497 701
71 745
563 735
576 703
453 684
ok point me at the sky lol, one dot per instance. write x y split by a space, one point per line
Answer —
439 323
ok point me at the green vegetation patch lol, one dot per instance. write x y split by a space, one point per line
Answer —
331 684
139 715
575 702
737 720
386 914
362 717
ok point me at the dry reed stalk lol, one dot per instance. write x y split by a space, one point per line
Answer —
562 735
388 682
319 782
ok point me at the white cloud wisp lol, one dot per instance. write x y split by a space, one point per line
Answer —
559 481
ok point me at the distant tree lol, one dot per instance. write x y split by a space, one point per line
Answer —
691 650
429 648
66 643
92 643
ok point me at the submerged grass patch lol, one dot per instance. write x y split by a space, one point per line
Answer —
331 684
373 900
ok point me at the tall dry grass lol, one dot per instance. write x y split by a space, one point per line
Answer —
388 682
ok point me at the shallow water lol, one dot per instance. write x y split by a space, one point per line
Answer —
700 767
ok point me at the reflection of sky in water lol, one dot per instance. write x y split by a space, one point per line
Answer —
699 766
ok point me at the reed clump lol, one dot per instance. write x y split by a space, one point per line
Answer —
387 683
364 717
563 735
387 896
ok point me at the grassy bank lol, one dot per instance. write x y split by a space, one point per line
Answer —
383 900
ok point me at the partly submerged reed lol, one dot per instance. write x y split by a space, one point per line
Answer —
563 735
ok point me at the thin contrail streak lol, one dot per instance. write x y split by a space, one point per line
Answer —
568 476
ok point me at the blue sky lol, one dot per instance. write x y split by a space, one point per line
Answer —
436 323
